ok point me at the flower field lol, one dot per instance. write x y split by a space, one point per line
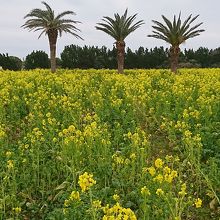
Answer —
93 144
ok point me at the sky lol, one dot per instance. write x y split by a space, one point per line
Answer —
19 42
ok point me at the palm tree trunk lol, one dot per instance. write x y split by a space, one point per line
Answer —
52 36
120 45
174 58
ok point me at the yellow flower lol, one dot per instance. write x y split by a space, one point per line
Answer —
96 204
118 213
66 202
198 203
116 197
159 192
74 195
71 128
86 181
187 133
152 171
8 153
158 178
158 163
168 178
65 131
173 173
17 210
133 156
166 170
145 191
10 164
183 190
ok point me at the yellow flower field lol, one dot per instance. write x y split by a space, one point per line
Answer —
73 141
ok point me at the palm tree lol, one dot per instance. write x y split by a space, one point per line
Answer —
51 25
175 33
119 28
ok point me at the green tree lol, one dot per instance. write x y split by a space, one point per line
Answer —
52 26
37 59
175 33
215 57
119 28
202 56
10 62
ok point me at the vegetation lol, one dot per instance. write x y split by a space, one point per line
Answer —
119 28
10 62
175 33
98 145
93 144
37 59
86 57
52 26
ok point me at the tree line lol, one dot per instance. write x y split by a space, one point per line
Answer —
74 56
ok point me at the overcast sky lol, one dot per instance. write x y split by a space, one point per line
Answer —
19 42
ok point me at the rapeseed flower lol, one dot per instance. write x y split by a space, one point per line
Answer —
183 190
96 204
158 163
74 195
116 197
8 154
198 203
151 170
118 213
173 173
17 210
159 178
160 192
166 170
86 181
168 178
145 191
10 164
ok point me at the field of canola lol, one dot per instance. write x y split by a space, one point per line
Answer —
93 144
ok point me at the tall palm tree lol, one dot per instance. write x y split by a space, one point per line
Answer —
119 28
175 33
52 26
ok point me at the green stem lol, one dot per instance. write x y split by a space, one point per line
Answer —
91 201
145 209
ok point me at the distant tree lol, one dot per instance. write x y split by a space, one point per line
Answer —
70 57
16 63
86 57
158 57
10 62
202 56
131 59
58 62
51 25
102 58
215 57
175 33
119 28
37 59
189 54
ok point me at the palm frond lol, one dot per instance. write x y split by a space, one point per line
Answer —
64 14
119 27
176 32
46 20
